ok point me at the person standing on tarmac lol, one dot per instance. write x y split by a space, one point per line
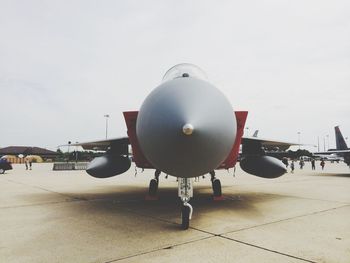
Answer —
313 167
292 167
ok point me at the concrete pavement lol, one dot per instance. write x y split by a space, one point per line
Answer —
56 216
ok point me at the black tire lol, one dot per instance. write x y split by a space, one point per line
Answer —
153 187
2 171
185 214
217 187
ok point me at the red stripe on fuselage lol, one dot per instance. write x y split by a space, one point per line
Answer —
231 160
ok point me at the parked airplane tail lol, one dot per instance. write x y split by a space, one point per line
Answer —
339 139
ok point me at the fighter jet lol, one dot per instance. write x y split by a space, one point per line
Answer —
342 149
186 128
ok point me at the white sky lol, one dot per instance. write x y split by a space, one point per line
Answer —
64 64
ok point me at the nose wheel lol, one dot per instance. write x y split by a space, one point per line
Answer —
186 214
185 193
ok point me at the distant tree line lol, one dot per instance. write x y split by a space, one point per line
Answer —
298 153
87 156
290 154
79 156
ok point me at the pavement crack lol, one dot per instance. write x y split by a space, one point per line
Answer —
42 204
158 249
286 219
269 250
307 198
47 190
252 245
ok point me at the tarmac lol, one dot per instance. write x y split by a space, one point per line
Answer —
68 216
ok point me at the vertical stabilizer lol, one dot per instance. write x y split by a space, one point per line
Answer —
339 139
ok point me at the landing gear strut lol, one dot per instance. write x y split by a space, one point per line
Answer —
185 194
153 184
216 185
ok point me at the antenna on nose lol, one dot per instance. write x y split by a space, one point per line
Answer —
187 129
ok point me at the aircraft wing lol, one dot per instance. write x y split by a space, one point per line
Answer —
116 145
269 144
333 151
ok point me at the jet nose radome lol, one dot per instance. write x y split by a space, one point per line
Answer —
186 127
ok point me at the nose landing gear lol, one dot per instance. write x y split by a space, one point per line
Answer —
185 194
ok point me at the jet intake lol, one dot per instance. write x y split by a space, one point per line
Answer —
108 165
263 166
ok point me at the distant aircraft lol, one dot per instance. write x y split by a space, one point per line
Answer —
4 165
185 128
342 149
329 157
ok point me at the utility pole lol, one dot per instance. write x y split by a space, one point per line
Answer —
69 142
106 116
76 153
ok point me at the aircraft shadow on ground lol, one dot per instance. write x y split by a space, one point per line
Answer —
333 175
125 199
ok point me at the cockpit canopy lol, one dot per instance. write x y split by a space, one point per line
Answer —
184 70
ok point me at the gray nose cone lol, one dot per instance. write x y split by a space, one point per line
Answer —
186 127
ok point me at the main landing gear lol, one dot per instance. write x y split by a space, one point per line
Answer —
185 194
216 185
153 185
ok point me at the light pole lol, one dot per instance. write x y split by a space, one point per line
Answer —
106 116
247 128
327 141
76 153
69 142
299 139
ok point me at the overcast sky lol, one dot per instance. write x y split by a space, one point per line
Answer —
65 64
